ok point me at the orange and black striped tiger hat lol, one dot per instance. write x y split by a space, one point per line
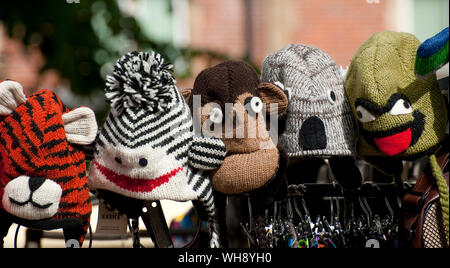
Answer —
43 182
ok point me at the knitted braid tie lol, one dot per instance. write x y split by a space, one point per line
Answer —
214 241
443 191
213 225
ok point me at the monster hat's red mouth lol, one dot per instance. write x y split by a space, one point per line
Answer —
398 139
395 144
133 184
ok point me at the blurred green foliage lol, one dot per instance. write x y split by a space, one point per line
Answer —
80 40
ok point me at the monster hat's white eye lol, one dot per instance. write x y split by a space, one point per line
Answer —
216 116
401 107
254 105
363 115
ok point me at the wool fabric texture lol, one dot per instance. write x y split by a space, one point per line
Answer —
247 166
399 115
319 121
432 54
255 175
147 149
43 174
443 191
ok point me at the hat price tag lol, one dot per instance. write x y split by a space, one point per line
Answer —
110 221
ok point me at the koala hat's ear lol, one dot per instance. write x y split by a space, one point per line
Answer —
80 126
186 94
11 96
273 93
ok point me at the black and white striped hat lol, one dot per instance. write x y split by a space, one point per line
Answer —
147 148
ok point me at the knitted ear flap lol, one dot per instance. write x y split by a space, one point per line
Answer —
443 190
273 93
11 96
80 126
201 148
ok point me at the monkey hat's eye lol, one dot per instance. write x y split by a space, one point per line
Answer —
363 115
253 105
401 107
216 116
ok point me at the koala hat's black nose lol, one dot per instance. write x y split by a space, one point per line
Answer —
312 134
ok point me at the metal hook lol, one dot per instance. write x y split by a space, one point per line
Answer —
302 219
304 207
369 210
295 191
247 233
275 211
363 207
332 215
388 204
250 214
290 212
335 216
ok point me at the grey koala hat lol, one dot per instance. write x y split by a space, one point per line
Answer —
319 120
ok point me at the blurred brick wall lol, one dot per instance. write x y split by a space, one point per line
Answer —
338 27
218 25
23 64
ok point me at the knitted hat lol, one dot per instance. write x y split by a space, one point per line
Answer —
147 149
43 180
400 116
247 166
318 120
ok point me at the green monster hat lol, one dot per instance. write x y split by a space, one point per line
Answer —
400 116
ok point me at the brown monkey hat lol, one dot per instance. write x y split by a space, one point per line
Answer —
233 100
